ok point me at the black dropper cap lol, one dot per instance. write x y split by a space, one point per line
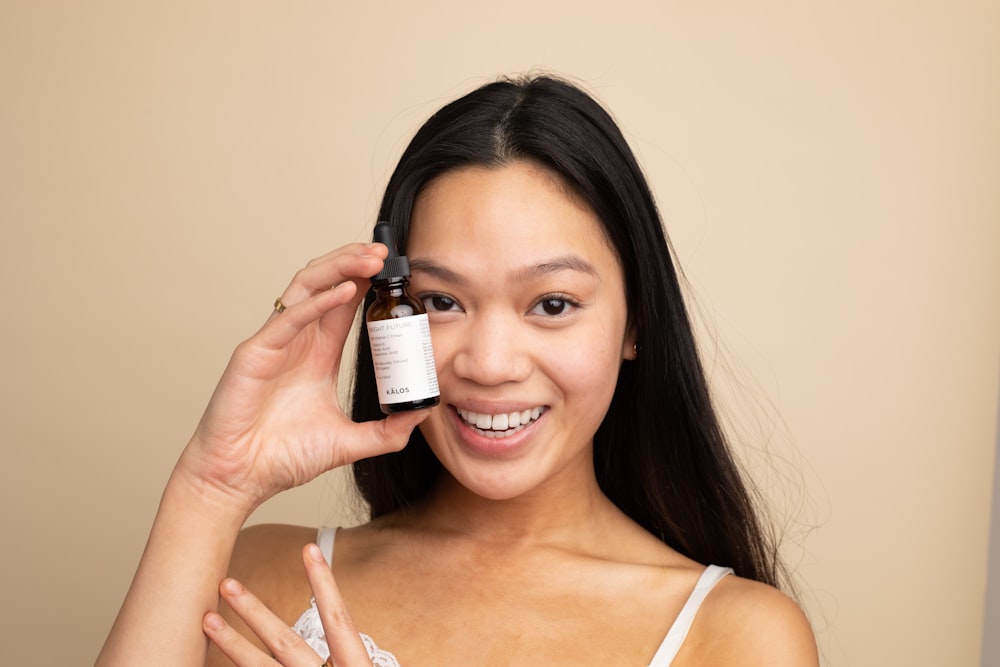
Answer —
396 266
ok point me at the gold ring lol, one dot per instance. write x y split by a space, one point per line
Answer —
278 306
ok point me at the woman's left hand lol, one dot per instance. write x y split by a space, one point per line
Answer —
286 646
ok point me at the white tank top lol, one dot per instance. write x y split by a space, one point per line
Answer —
310 628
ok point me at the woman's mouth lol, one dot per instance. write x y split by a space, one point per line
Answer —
500 425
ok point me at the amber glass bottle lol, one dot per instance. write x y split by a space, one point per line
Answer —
400 336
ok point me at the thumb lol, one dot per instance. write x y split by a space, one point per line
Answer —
397 427
387 435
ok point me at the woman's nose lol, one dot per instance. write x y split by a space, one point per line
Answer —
493 350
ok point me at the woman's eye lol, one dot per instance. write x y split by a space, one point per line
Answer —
553 306
439 303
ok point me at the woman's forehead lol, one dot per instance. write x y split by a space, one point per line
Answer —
520 210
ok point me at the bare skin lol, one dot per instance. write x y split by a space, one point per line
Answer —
515 603
272 423
516 557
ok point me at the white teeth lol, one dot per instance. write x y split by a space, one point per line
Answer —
501 424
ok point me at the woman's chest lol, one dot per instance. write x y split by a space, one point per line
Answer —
559 617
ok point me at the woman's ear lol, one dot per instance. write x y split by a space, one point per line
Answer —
630 348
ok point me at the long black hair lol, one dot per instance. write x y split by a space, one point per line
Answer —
660 454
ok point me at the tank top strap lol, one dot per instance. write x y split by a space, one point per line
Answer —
678 632
324 540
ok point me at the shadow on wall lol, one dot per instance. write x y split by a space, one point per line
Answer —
991 619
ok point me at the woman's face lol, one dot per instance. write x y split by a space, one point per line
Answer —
527 307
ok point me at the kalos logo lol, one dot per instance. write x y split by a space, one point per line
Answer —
397 391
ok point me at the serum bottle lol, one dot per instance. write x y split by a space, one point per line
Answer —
400 336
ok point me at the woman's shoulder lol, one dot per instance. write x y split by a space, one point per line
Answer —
746 622
268 544
267 558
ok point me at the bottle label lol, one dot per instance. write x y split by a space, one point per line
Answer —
403 359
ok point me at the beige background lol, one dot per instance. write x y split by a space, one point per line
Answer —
828 173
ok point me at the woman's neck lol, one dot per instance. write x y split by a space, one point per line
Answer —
555 514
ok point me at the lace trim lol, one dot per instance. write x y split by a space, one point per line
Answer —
310 628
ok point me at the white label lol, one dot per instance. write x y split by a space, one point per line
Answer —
403 358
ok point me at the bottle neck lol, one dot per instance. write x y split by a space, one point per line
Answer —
393 287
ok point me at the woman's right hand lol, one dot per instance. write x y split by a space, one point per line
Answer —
344 645
275 421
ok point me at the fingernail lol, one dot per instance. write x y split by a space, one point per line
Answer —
232 587
214 622
315 554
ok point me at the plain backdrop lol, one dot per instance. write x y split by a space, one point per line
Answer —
828 173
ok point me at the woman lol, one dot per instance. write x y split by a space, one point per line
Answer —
561 503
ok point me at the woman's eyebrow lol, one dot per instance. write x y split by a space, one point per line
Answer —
554 265
435 270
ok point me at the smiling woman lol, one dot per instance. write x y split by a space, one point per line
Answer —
570 500
536 323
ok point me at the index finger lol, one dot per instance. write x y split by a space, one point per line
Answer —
356 261
343 639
